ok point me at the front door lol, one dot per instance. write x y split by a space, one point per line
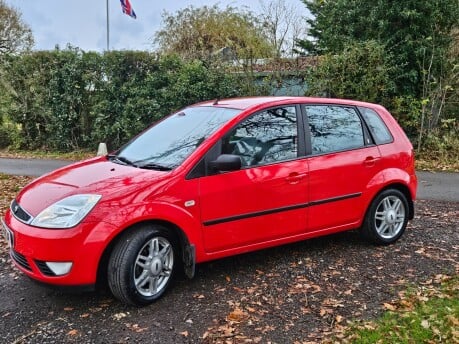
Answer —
267 198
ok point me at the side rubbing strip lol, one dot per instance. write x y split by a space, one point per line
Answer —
278 210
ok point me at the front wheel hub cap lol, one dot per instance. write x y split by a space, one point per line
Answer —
156 266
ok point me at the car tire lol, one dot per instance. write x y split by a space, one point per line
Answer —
386 218
143 264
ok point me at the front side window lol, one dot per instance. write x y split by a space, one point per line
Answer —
267 137
168 143
334 128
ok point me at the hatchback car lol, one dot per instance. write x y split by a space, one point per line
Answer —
213 180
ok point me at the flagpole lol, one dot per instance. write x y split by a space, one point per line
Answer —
108 28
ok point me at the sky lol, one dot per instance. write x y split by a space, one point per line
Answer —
83 23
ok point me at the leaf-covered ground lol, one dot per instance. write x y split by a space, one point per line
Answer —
300 293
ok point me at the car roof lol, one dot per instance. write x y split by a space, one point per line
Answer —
248 102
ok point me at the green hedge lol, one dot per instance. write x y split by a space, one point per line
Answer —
70 99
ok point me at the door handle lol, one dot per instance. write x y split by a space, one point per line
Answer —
295 177
370 161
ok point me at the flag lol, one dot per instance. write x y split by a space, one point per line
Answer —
127 8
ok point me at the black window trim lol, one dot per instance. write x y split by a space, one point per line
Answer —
367 138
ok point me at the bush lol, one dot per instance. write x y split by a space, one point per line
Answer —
5 138
70 99
362 71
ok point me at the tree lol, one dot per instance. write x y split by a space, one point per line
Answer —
15 35
283 26
406 28
199 33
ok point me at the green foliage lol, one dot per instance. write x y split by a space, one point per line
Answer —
5 138
199 33
410 30
69 99
407 110
362 71
26 80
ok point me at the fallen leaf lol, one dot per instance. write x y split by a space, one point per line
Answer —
72 332
325 311
389 307
135 328
68 309
237 315
184 333
119 316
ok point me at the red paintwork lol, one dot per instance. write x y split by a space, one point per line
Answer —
131 195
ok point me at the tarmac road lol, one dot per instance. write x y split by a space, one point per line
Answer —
440 186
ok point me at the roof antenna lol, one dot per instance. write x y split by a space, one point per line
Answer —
216 101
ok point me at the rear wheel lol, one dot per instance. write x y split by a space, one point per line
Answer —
142 265
387 217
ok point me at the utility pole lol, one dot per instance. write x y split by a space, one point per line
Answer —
108 28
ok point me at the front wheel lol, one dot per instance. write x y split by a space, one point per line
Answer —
386 218
142 265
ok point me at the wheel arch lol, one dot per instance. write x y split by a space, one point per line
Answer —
186 249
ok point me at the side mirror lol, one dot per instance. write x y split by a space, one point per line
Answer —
226 162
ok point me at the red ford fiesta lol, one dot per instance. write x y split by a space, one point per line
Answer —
212 180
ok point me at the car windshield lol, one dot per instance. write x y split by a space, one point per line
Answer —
168 143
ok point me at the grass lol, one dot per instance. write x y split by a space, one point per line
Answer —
41 154
427 314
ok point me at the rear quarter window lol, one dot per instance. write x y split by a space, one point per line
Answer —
378 128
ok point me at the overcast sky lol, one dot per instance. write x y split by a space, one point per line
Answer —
82 23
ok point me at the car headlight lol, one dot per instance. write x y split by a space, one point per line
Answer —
67 212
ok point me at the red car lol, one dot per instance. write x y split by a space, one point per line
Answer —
213 180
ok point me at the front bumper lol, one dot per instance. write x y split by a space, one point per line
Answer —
32 249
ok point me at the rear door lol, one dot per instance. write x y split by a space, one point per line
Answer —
267 198
343 162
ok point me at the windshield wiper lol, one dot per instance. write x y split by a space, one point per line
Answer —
153 166
120 160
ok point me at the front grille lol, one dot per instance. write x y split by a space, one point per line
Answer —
21 260
45 270
20 213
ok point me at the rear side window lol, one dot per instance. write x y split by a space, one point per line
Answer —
334 128
376 125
